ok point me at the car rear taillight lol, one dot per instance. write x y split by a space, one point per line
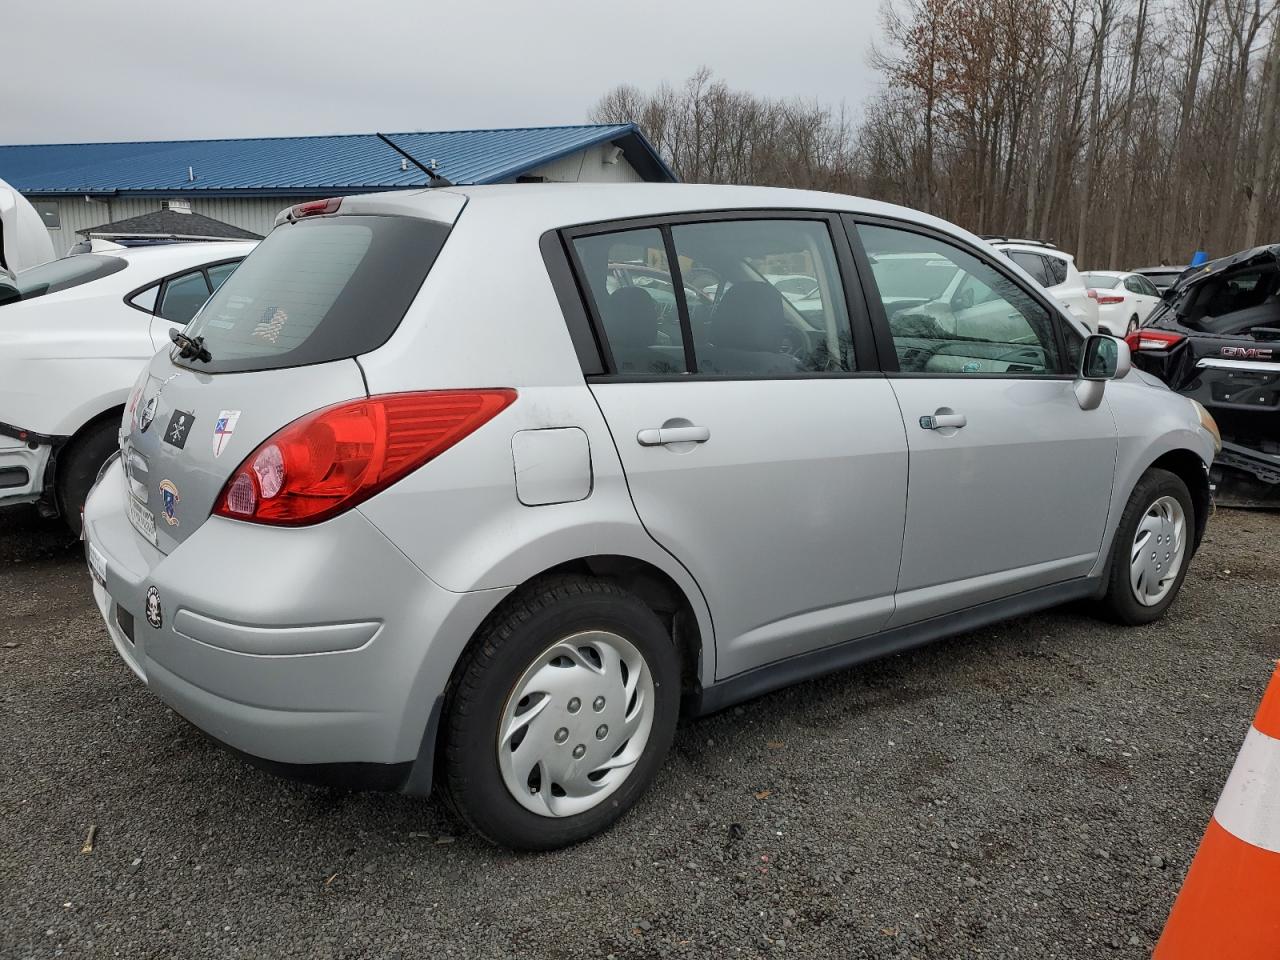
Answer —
1104 297
339 456
315 208
1152 341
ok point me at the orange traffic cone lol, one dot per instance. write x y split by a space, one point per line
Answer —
1229 905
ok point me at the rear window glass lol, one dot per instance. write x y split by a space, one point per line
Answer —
315 291
1099 282
1232 303
66 273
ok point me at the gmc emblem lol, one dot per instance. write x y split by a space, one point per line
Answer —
1247 353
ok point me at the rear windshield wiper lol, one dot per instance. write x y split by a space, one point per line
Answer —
190 348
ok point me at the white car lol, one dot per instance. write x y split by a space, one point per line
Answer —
1124 300
24 241
73 335
1054 270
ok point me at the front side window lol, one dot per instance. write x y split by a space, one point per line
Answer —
183 295
982 323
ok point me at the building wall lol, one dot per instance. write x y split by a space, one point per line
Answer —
588 165
258 214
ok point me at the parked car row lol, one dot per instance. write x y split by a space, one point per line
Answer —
378 520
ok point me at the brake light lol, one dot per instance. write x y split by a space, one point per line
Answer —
335 458
1153 341
315 208
1104 297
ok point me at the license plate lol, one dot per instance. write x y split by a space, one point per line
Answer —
143 520
97 563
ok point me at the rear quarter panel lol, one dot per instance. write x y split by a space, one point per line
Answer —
487 316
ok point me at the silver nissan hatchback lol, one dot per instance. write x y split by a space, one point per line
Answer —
483 487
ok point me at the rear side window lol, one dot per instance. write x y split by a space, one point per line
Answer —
1034 264
183 296
1057 268
316 291
747 298
66 273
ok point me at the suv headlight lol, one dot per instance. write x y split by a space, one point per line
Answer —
1210 424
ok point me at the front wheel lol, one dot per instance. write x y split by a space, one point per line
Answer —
563 712
1152 549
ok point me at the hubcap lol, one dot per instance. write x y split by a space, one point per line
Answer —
1157 552
575 724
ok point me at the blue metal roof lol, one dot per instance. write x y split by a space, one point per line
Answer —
293 166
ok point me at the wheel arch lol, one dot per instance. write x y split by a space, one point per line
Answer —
49 486
1194 472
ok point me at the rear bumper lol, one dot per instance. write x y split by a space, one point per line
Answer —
320 651
23 463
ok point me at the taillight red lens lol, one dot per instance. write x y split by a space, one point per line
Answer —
1152 341
332 459
316 208
1107 298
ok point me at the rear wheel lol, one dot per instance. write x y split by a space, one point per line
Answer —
77 469
562 714
1152 549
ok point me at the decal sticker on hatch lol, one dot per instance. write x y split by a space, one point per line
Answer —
170 498
223 429
179 426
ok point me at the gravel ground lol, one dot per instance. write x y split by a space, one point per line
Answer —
1036 789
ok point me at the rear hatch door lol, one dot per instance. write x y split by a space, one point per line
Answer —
281 336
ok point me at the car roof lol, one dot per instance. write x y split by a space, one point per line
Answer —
1108 273
547 206
1033 248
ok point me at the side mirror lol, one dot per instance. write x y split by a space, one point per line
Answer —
1103 358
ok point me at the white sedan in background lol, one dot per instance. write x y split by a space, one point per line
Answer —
73 335
1124 300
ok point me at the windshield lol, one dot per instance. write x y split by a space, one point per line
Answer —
66 273
316 291
1099 282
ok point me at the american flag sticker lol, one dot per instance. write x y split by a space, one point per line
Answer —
223 428
269 328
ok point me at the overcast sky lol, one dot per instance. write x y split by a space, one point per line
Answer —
78 70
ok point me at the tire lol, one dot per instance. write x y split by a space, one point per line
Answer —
508 656
77 469
1121 601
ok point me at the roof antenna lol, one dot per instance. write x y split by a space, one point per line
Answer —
437 180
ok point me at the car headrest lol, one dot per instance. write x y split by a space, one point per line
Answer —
631 317
750 316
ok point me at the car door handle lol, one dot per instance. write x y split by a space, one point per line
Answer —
656 437
940 420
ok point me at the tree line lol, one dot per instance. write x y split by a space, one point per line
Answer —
1126 131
